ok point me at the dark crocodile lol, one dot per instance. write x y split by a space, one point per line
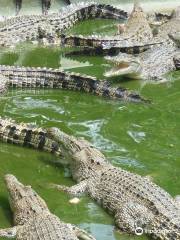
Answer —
136 35
23 28
32 218
25 77
27 135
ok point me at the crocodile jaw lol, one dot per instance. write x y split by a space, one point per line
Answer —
23 197
16 189
127 68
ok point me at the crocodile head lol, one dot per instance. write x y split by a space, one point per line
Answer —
137 27
24 201
124 65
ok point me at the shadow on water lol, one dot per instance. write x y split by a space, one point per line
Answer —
6 210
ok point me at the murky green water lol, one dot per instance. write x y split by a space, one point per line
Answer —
143 139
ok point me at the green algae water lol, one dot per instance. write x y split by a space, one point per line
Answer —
144 139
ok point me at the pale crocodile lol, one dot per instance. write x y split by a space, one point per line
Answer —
155 62
134 201
23 28
32 218
25 77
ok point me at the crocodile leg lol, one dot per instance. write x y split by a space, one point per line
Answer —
8 232
82 234
132 217
75 190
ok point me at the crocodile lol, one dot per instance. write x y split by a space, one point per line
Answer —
28 135
136 32
33 219
29 77
23 28
155 62
134 201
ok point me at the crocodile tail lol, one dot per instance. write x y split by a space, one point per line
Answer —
27 136
80 41
110 12
94 10
55 78
123 94
86 11
105 89
98 45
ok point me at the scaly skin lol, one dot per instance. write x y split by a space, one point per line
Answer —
155 62
54 78
136 32
32 218
27 136
23 28
133 200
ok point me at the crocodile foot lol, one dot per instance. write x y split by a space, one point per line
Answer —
75 190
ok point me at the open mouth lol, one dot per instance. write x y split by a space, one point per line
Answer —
128 68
